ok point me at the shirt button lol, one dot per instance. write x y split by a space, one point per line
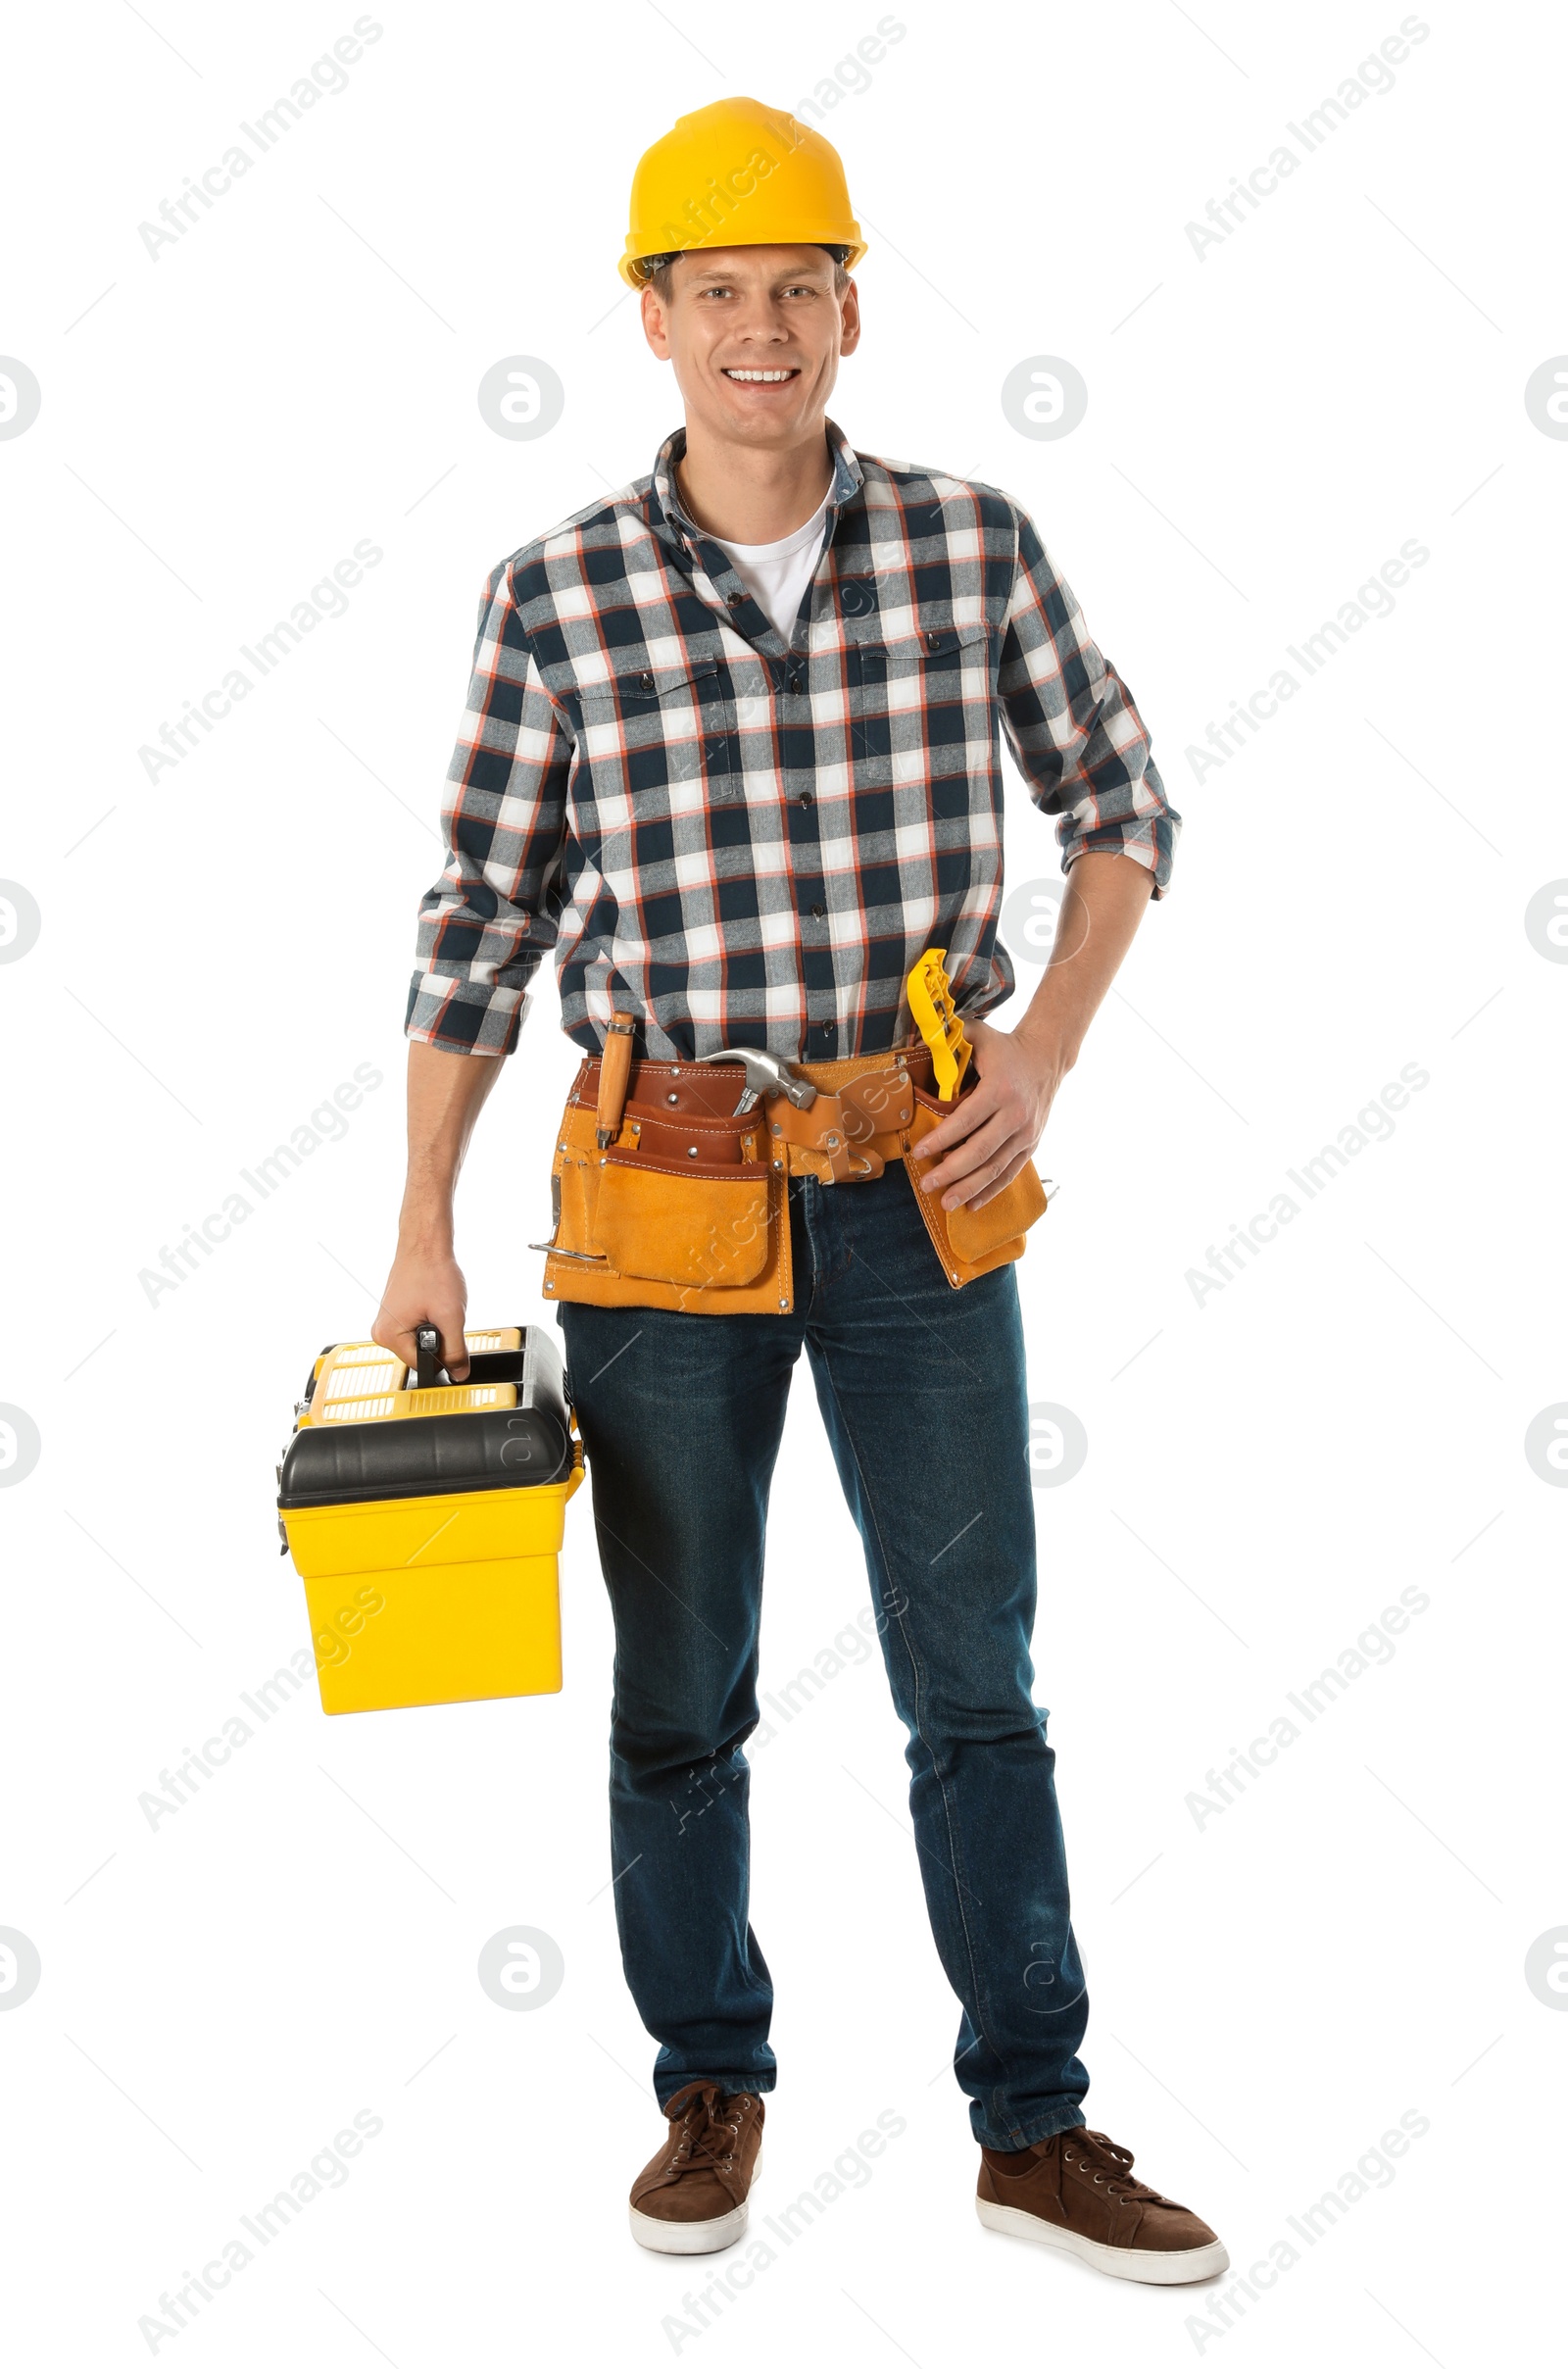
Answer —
645 682
828 1027
817 912
933 641
805 798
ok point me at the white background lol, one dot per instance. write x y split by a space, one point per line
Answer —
1266 1470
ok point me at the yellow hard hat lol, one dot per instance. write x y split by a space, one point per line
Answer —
738 174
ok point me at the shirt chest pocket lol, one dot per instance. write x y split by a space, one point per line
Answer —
656 732
919 697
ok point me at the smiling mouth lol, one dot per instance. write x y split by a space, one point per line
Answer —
749 377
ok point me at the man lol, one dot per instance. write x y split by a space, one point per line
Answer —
730 751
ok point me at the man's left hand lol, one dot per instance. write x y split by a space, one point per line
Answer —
985 1140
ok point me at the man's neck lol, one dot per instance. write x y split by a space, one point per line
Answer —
743 496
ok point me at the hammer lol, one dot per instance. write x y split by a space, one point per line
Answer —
766 1074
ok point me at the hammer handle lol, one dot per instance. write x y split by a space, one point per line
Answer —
615 1069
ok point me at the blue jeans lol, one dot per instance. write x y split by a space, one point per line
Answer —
923 1394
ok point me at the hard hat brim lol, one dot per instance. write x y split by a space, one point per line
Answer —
843 235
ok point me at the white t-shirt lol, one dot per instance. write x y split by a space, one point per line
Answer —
776 575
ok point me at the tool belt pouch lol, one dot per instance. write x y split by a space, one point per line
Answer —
970 1242
676 1213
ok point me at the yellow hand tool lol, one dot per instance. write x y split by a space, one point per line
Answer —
931 1001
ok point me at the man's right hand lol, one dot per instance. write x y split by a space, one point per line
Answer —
425 1287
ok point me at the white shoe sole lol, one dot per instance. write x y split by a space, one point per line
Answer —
1149 2268
693 2237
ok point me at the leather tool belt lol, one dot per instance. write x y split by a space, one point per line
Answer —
664 1194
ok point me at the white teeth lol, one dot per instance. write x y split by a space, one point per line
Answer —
760 377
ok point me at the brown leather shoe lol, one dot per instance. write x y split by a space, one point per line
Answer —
691 2199
1076 2191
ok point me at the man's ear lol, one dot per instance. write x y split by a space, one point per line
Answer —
850 308
655 325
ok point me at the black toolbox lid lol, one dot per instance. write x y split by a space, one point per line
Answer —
350 1464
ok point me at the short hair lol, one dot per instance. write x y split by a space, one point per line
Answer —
657 269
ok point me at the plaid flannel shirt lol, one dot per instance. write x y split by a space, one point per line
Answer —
744 841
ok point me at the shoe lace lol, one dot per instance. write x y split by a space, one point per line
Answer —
1111 2167
706 2136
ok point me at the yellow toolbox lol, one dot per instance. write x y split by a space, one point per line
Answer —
425 1519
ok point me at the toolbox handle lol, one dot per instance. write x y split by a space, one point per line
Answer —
430 1372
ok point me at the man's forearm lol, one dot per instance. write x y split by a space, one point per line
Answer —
446 1094
978 1149
1103 902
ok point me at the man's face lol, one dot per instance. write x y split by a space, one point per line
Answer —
735 312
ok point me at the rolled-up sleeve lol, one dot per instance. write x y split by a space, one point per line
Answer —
489 920
1070 722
